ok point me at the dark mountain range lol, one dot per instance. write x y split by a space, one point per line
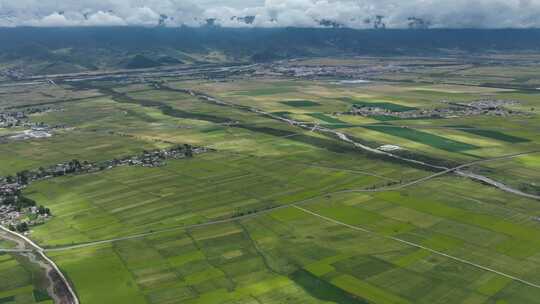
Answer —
92 48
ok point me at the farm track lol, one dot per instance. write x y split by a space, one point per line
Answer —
331 220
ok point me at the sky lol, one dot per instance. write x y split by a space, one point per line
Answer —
273 13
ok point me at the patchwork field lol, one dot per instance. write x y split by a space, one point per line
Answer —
220 186
279 213
296 256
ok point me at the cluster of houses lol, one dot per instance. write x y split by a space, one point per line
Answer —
21 219
20 118
157 158
486 104
9 215
476 108
12 119
12 73
16 211
292 69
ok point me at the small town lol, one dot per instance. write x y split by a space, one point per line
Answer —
292 68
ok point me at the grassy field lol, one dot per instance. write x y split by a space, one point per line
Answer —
493 134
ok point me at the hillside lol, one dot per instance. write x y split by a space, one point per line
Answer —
49 50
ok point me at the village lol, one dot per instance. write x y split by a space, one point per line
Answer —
12 119
21 118
23 128
476 108
19 213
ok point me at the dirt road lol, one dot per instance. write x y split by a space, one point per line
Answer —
528 283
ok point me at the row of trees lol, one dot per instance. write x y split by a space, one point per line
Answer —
73 166
25 177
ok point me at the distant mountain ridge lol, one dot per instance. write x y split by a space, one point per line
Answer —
97 47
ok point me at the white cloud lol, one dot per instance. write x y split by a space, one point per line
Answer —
101 18
271 13
55 19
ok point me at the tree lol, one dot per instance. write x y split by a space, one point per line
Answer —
74 166
41 172
25 202
22 227
42 210
22 177
189 150
10 200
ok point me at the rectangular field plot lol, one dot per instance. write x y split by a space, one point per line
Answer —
300 103
492 134
331 121
394 107
425 138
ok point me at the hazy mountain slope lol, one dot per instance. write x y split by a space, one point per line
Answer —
112 47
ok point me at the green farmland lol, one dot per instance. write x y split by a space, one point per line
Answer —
493 134
383 105
302 255
279 210
425 138
300 103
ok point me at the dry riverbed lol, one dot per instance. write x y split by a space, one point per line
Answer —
57 286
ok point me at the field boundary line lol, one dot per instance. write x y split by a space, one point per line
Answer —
328 219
